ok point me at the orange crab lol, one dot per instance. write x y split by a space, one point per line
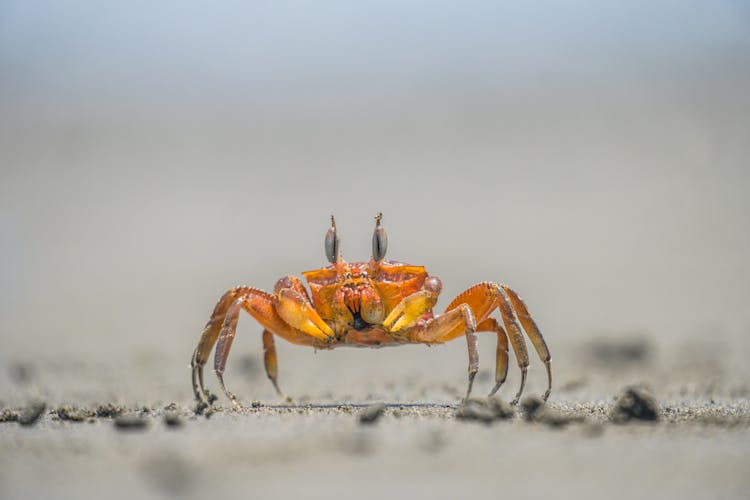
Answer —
369 304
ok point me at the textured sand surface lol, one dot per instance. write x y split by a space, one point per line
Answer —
85 443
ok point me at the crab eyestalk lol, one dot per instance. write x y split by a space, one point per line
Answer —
333 244
379 240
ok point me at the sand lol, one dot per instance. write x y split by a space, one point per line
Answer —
411 439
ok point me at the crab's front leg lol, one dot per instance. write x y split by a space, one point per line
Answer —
221 328
435 330
209 337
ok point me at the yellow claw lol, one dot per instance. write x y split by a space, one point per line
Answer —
294 311
409 310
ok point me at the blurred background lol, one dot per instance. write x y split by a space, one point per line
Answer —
593 155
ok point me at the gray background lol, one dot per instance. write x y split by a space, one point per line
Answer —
593 155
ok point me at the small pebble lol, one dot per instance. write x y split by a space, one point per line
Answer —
130 422
635 403
485 410
531 406
31 414
371 414
172 420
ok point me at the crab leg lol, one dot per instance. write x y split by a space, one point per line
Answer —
484 298
516 341
224 344
459 319
262 307
501 357
529 325
270 363
208 339
221 328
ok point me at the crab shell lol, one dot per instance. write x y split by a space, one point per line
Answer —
360 295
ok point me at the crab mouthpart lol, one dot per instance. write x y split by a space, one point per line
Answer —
352 299
359 324
353 303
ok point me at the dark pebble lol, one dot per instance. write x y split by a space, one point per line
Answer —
371 414
31 414
531 406
485 410
635 403
172 420
132 422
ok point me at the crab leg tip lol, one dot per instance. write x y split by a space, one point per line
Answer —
496 388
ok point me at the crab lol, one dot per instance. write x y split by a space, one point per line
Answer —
376 303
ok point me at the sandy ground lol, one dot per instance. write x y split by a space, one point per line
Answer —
318 447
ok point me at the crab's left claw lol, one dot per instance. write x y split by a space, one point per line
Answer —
295 309
411 308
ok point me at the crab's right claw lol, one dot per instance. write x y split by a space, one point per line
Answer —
297 313
411 308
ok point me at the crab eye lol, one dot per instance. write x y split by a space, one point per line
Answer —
332 243
379 240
